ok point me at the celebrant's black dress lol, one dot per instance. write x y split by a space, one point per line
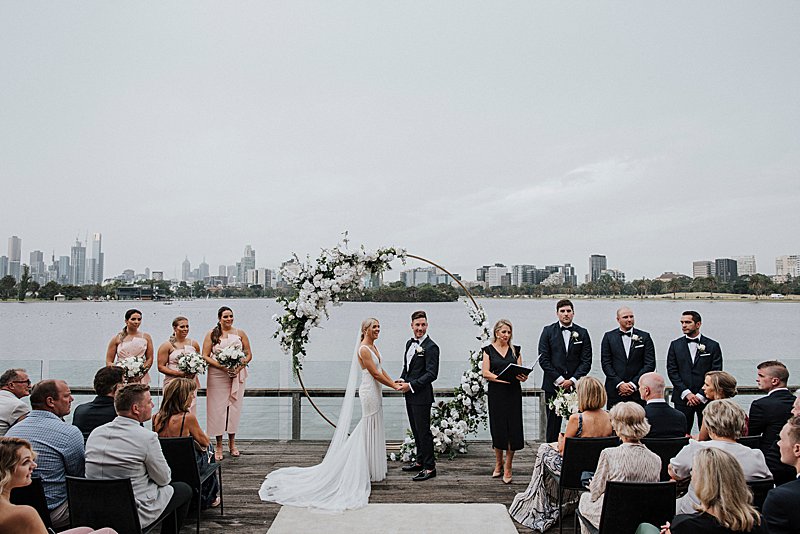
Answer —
505 403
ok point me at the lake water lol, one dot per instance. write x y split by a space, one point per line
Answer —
68 340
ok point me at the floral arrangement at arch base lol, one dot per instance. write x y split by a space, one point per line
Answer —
320 283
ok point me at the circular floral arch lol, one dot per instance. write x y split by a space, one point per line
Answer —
319 283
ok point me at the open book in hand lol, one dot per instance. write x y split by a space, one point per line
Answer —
510 373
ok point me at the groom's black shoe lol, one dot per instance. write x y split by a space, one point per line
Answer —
425 474
412 467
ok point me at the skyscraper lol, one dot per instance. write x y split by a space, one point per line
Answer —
3 266
64 270
597 264
703 269
78 264
186 269
248 262
203 270
94 274
726 269
14 256
38 270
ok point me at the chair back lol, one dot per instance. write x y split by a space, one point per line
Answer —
666 449
627 504
754 442
180 455
102 503
582 454
759 489
33 495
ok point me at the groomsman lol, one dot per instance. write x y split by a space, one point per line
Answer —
689 358
420 369
626 353
769 414
565 355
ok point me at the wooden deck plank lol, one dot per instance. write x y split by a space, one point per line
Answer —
465 479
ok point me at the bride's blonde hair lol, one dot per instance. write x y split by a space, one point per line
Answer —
366 324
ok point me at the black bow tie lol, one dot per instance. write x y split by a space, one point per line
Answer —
414 340
692 340
625 333
566 328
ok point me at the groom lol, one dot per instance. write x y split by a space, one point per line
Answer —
420 367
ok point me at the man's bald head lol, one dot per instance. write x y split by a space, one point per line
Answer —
651 386
625 318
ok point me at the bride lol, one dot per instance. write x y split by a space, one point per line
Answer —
342 480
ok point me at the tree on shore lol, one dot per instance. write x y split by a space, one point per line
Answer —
7 284
759 284
24 281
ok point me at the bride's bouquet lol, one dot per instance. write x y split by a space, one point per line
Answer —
231 357
192 363
133 367
564 404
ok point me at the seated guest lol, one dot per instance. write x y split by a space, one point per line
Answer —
14 385
781 511
537 506
99 411
665 421
17 462
725 504
724 421
630 462
58 445
175 420
719 385
124 449
768 415
796 405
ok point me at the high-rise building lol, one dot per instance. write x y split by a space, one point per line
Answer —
788 265
498 276
64 270
3 266
615 274
726 270
38 269
157 276
248 262
419 276
523 275
203 270
703 269
186 269
14 256
597 264
223 271
95 271
77 260
746 265
570 278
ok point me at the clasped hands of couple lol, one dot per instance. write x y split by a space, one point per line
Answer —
401 385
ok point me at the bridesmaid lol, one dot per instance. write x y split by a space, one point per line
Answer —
130 343
172 349
225 387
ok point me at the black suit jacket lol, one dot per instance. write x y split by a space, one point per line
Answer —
620 367
683 373
665 421
92 414
556 361
767 417
422 370
780 511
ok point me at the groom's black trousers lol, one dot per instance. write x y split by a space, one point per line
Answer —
419 415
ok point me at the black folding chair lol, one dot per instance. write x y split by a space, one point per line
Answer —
666 449
754 442
580 454
33 495
180 455
99 503
759 489
627 504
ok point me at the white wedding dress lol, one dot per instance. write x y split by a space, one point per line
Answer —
342 481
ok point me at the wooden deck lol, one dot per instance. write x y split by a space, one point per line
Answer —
465 479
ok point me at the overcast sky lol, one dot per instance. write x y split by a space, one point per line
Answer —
656 133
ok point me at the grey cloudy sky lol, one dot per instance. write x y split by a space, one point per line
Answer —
467 132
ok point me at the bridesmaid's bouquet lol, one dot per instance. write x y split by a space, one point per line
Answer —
231 357
564 404
192 363
133 366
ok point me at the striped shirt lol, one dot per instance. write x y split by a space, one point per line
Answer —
59 449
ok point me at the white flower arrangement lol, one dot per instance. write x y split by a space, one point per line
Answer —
636 338
564 404
192 363
231 357
133 366
419 350
701 348
575 336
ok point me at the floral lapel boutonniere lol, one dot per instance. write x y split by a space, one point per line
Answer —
575 336
701 348
636 338
418 350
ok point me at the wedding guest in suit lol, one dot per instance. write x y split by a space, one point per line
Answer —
770 413
420 369
537 506
565 356
125 449
630 462
796 405
781 510
719 385
58 444
14 386
725 505
689 358
626 353
505 398
131 343
101 410
665 421
724 420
